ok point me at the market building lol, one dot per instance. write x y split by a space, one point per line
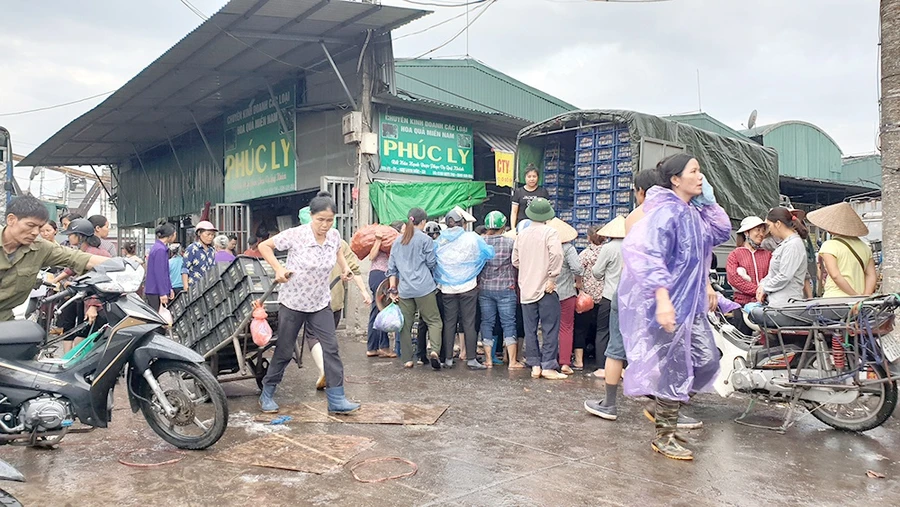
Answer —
812 172
266 103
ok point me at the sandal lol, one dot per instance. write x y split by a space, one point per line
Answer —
536 372
516 366
386 354
409 364
566 369
372 353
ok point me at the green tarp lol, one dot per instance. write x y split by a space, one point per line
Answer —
743 174
392 201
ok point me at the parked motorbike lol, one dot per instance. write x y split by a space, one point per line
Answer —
41 399
832 356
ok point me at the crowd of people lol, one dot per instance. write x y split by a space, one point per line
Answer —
515 291
647 275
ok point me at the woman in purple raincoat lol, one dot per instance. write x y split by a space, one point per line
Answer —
663 298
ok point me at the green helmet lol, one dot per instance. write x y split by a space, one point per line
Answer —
495 220
306 217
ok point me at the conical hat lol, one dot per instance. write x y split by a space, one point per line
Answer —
566 232
839 219
614 229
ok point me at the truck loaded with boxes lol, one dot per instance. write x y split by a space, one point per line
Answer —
587 161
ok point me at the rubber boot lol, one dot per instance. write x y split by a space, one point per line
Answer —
266 400
319 359
338 404
666 443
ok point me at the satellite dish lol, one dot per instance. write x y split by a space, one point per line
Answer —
751 122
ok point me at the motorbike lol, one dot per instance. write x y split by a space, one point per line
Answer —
40 399
830 356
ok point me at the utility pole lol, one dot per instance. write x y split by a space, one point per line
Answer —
890 142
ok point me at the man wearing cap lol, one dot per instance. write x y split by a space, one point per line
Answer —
747 265
27 253
846 260
538 255
498 291
200 256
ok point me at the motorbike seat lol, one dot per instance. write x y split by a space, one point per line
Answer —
20 332
803 313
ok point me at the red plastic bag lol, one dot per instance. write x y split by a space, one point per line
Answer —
362 241
260 329
583 303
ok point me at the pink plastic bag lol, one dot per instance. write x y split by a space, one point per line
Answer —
260 329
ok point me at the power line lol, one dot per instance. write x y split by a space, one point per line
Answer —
452 93
483 10
57 105
432 26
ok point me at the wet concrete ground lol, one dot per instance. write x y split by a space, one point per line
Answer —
506 440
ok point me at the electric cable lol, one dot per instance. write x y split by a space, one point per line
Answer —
483 10
56 105
432 26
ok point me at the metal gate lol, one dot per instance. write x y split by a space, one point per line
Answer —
136 235
342 190
233 219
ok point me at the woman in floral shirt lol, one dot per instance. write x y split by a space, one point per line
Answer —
586 323
200 256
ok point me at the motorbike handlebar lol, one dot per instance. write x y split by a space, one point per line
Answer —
60 296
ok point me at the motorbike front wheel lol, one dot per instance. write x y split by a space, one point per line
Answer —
870 410
201 408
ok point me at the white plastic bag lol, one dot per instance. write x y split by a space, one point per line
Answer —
389 320
165 314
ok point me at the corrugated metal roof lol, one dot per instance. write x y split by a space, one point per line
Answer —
764 130
498 143
213 67
707 122
804 150
470 84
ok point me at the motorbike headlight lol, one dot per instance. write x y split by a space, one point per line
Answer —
123 282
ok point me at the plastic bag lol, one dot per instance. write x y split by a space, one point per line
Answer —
362 241
460 256
389 320
584 303
165 314
260 329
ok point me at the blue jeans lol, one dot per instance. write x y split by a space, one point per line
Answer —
494 304
545 312
376 339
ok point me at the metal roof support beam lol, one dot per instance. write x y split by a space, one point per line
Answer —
180 169
339 76
205 143
144 170
100 180
284 123
292 37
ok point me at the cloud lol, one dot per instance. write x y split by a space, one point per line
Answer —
811 60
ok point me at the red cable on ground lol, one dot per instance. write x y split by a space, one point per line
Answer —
151 465
415 468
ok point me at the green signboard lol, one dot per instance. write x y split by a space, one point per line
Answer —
426 147
259 154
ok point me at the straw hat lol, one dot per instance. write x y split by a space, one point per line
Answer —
566 232
839 219
614 229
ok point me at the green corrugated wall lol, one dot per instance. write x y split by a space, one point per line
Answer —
804 152
473 85
163 191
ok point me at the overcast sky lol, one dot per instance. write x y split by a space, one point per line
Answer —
811 60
